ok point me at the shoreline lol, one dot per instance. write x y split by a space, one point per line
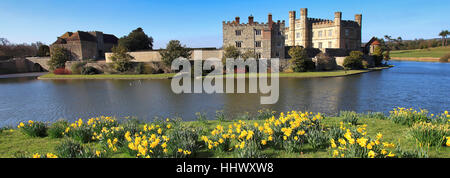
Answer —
417 59
323 74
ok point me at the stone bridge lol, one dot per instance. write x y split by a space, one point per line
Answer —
41 61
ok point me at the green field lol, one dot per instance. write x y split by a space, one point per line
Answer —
13 141
422 53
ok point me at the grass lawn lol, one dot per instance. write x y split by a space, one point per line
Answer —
13 141
109 76
422 53
336 73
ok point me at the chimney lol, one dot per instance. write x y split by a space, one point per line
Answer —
237 20
270 21
250 19
358 19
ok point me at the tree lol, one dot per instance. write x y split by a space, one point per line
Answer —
136 40
248 54
230 52
299 60
354 61
174 50
59 57
378 55
43 50
444 34
121 59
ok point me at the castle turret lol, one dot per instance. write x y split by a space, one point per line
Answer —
358 19
292 27
337 23
305 25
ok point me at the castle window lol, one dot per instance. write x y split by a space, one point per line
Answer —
287 36
347 32
238 32
258 55
277 54
258 44
320 33
297 35
238 44
330 32
257 31
320 44
330 44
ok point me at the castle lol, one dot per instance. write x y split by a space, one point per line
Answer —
86 45
272 39
266 40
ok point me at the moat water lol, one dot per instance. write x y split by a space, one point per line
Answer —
409 84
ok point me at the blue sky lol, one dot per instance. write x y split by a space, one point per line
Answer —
198 23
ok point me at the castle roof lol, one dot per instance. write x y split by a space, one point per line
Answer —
107 38
84 36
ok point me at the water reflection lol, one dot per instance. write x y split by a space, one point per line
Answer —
409 84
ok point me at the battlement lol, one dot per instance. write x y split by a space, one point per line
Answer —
251 22
322 23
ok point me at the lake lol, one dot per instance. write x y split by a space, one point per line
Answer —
409 84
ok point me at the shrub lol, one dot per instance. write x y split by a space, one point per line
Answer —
56 130
427 134
354 61
317 139
33 128
300 61
59 57
220 116
89 70
182 139
77 67
249 150
408 116
444 58
61 71
416 153
121 59
349 117
265 114
2 129
374 115
174 50
72 149
356 144
201 117
325 62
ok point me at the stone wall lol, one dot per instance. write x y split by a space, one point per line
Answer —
154 56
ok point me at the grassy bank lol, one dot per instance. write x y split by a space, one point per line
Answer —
51 76
322 74
287 135
421 54
337 73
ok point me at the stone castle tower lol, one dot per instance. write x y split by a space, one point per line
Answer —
323 33
265 40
